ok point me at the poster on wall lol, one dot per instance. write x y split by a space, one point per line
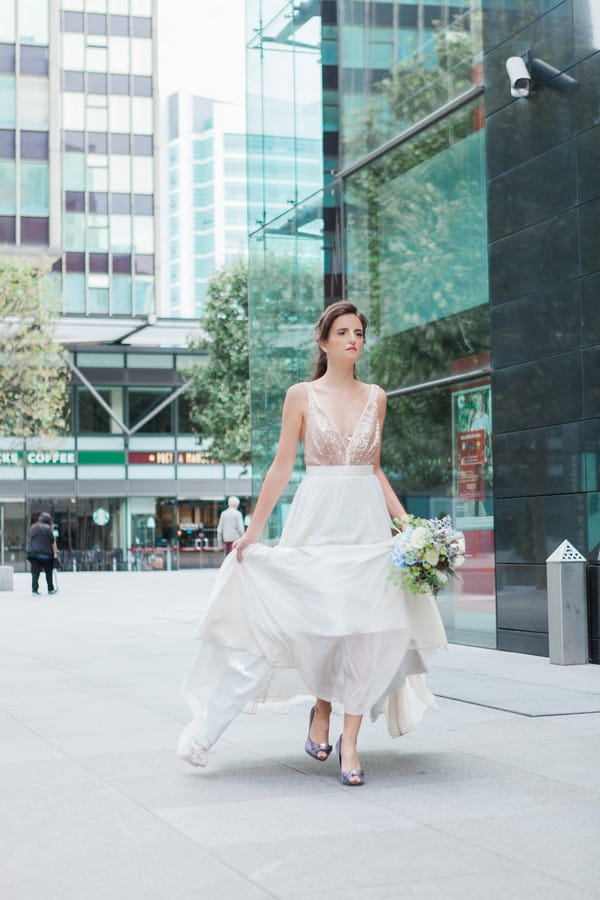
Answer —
472 451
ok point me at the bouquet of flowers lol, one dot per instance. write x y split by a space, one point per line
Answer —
426 553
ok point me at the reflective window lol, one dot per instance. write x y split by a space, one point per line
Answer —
121 262
203 196
144 264
97 176
141 7
141 27
143 234
75 201
97 83
144 295
7 101
73 51
97 142
96 23
75 262
120 238
7 58
74 141
118 54
235 215
120 174
74 231
74 293
96 59
237 167
34 60
97 119
7 23
8 196
98 202
7 143
234 143
34 188
73 81
142 85
74 113
119 143
93 418
34 144
203 148
142 115
97 238
118 24
33 21
141 56
34 230
119 84
121 295
72 21
98 262
204 243
142 401
142 145
7 229
120 113
143 175
143 204
120 203
98 301
203 172
74 171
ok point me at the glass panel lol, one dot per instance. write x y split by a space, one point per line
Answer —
143 401
74 289
142 145
143 204
118 54
74 231
142 115
120 173
75 201
98 202
74 141
8 195
93 418
97 238
120 233
96 58
74 171
98 300
74 112
34 145
141 54
119 112
121 295
75 262
141 7
417 218
399 68
142 85
119 84
141 27
118 24
96 23
7 101
73 51
8 233
119 143
144 295
7 58
149 361
34 230
144 264
34 188
120 203
34 61
97 120
143 175
97 83
101 360
74 81
97 177
72 21
33 21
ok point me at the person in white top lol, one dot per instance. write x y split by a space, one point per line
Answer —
231 525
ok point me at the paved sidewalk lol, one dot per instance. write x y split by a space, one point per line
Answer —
496 796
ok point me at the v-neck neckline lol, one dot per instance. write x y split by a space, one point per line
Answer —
344 437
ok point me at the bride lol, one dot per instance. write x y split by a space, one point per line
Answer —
316 616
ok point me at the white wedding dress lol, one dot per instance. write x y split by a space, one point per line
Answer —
316 616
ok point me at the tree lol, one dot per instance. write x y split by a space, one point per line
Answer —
34 373
219 395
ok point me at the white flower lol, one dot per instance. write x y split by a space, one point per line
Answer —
461 546
442 577
458 561
431 556
419 537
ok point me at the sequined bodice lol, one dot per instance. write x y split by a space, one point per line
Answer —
324 445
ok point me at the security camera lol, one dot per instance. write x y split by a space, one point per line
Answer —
521 84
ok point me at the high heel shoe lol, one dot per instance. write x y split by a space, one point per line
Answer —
346 777
314 749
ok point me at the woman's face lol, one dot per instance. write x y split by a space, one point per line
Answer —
346 338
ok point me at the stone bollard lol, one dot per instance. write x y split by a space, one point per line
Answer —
567 606
6 578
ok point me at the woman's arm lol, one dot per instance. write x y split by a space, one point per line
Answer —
395 508
281 468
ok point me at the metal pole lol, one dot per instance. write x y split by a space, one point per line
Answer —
2 530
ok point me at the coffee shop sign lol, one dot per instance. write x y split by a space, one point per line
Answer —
38 457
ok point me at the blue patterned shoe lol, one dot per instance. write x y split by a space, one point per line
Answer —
347 777
315 749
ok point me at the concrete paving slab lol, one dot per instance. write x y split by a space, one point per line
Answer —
476 803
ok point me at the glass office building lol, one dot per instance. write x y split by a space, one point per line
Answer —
429 172
128 485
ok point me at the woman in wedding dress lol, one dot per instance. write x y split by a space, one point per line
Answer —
317 616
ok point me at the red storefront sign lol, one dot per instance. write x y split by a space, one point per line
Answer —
170 458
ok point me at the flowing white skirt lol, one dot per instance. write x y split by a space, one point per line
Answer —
315 616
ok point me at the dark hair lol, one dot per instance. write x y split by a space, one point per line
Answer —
323 327
45 518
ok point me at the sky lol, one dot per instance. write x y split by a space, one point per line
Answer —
201 48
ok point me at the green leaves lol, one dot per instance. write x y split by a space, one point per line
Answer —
220 394
34 373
